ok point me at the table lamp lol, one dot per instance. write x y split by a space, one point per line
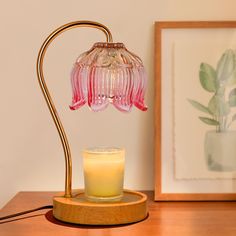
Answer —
107 73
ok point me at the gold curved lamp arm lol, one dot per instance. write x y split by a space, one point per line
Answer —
51 106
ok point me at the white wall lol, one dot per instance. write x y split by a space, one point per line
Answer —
31 153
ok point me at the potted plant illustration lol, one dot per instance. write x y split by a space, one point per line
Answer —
220 82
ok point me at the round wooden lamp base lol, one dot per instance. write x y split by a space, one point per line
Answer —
132 208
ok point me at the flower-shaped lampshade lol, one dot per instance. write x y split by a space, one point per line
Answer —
108 73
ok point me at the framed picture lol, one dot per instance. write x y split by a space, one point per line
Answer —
195 111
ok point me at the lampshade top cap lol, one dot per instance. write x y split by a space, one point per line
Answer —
108 45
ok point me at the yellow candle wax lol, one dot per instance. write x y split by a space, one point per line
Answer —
103 173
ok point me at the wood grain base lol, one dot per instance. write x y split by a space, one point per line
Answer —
132 208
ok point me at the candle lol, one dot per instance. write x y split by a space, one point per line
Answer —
104 173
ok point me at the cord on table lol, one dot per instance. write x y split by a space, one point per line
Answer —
25 212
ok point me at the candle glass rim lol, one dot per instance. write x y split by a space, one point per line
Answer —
103 150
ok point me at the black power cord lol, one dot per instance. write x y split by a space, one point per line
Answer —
26 212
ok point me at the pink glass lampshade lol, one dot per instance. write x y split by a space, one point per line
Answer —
108 73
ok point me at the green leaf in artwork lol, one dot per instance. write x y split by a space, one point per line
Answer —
232 101
218 107
226 65
199 106
207 76
232 98
209 121
232 79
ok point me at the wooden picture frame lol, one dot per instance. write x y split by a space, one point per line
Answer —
162 161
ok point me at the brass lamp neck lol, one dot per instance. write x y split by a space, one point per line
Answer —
47 96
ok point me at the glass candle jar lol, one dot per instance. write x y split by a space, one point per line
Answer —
104 173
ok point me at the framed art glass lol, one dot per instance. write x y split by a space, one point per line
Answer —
195 110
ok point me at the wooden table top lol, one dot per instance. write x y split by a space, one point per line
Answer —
165 218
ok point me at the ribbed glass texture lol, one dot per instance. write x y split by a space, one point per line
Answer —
108 73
